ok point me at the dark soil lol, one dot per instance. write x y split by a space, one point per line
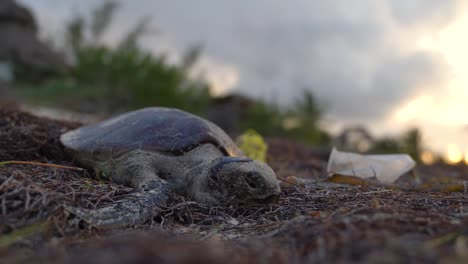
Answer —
422 219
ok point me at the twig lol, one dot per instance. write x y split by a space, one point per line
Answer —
190 212
6 182
292 183
19 162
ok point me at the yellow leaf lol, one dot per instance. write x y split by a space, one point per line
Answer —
345 179
253 145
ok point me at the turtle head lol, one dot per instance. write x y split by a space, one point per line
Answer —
232 180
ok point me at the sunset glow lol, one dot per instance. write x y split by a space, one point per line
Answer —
414 109
454 154
447 108
453 42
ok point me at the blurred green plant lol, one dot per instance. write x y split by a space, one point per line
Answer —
409 142
112 79
264 118
299 122
412 143
386 145
305 116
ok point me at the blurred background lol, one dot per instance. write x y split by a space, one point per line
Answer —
368 76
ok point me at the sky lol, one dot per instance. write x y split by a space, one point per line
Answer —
388 64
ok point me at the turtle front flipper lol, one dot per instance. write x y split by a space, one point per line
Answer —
135 208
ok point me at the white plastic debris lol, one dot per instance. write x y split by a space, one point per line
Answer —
387 168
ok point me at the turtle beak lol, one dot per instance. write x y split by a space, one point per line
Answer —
271 199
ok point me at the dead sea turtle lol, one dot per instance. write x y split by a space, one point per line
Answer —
160 151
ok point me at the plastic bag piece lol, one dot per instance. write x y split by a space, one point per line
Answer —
387 168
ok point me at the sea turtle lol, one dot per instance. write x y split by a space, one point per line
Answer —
160 151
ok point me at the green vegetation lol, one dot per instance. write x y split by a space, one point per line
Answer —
410 142
300 122
111 79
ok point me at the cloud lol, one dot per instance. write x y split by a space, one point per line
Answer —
361 57
425 12
398 79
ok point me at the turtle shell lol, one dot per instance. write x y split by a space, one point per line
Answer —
165 130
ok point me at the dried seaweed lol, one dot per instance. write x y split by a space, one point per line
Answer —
324 222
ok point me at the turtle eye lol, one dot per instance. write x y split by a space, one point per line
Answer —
251 182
